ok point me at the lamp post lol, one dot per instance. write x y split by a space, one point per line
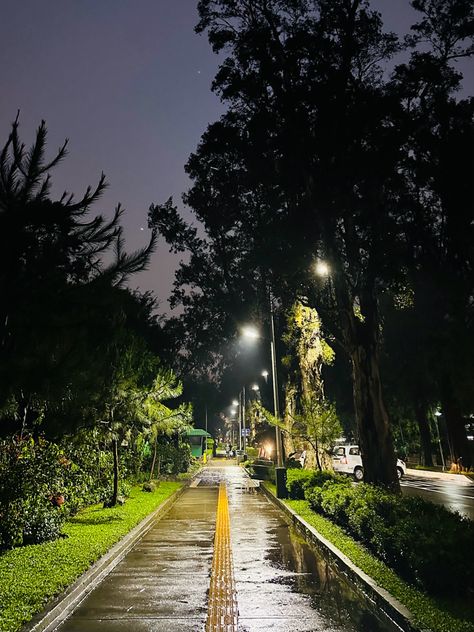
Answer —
438 414
280 470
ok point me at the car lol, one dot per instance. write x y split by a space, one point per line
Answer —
346 459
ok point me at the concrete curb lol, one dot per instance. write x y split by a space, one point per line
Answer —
62 606
377 595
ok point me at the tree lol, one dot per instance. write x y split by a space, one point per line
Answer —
303 90
53 283
308 415
440 229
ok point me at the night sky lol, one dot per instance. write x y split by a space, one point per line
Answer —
128 82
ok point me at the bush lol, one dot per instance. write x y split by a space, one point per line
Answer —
31 473
174 458
298 481
423 542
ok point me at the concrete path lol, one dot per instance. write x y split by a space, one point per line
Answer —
161 585
282 584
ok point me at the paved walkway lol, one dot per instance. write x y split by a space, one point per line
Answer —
281 584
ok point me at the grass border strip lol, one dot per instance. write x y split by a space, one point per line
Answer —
61 607
391 607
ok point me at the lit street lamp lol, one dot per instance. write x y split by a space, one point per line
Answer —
265 375
322 268
280 470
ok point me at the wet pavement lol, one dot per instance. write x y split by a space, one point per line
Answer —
283 585
161 585
454 495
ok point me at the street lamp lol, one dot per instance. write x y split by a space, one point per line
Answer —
255 387
438 413
322 268
265 375
250 332
280 470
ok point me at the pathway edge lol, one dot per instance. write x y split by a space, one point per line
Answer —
60 607
392 608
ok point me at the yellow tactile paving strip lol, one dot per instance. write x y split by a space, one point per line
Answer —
222 610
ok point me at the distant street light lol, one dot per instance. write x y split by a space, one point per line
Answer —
255 387
235 402
322 268
265 375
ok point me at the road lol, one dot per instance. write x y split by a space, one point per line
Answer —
455 494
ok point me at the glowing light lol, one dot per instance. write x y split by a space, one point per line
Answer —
265 374
255 387
321 268
235 402
250 332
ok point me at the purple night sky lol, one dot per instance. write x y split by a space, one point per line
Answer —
128 82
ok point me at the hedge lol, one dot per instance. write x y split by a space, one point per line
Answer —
426 544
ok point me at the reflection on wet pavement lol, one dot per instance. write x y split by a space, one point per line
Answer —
161 585
282 584
455 496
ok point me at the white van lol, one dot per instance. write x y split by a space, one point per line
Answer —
346 459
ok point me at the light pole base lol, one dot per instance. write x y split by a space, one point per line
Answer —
280 479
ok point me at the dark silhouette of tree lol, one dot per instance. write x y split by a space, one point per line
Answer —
55 287
312 160
440 230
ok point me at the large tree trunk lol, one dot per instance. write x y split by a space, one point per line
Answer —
361 338
425 433
375 436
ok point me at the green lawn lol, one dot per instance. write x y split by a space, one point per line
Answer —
31 575
429 613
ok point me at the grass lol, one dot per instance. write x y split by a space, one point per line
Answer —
30 576
429 613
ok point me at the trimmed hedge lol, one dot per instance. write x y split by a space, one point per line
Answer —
299 480
425 543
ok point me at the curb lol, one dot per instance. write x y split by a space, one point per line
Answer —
377 595
62 606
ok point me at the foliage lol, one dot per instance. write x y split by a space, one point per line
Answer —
330 150
31 474
318 424
31 575
61 304
298 481
175 457
423 542
438 615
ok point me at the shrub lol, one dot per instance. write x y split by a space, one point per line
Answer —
425 543
31 473
298 481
